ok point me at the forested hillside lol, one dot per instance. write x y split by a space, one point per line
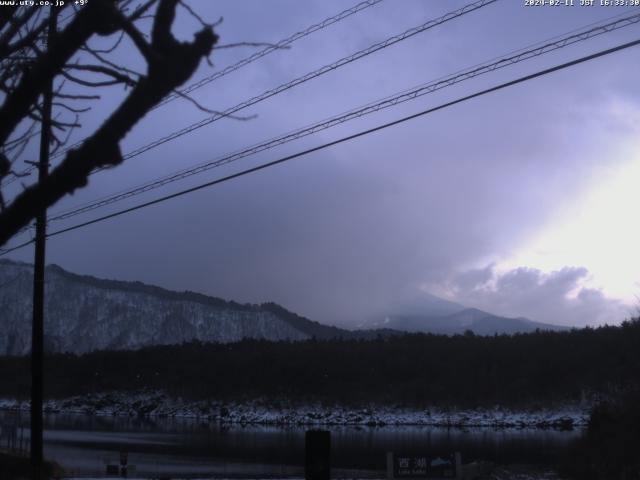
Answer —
536 369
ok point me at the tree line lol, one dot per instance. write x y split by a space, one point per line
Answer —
526 370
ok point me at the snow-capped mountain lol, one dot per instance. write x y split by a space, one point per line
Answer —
458 322
85 313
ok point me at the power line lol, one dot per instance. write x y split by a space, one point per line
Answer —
306 77
341 140
272 48
5 251
284 43
412 94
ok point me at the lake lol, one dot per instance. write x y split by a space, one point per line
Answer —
162 447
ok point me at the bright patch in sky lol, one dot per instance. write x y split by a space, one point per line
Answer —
599 231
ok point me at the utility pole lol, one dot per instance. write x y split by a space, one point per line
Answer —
37 333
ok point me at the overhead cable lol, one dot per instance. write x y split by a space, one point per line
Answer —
284 43
306 77
336 142
391 101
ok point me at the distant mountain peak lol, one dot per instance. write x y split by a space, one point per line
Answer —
456 319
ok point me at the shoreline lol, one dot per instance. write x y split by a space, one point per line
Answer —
262 412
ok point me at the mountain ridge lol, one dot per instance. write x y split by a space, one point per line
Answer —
473 319
86 313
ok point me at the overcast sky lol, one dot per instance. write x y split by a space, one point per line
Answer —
522 202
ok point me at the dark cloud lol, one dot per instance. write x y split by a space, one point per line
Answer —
348 231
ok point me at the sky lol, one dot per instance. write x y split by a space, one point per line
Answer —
520 202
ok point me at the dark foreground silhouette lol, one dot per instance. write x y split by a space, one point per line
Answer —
542 369
609 448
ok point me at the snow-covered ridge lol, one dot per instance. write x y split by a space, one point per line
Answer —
158 404
85 314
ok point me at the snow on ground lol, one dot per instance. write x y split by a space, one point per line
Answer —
158 404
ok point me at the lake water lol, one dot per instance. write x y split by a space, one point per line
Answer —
162 447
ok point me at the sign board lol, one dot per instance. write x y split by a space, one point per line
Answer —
439 467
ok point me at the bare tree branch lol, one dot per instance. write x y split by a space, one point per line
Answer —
118 77
7 49
71 109
195 15
111 48
15 24
108 62
212 112
32 83
138 39
170 64
77 97
141 10
89 83
61 143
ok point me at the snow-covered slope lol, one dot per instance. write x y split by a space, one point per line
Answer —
85 313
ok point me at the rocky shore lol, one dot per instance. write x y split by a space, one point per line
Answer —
262 412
